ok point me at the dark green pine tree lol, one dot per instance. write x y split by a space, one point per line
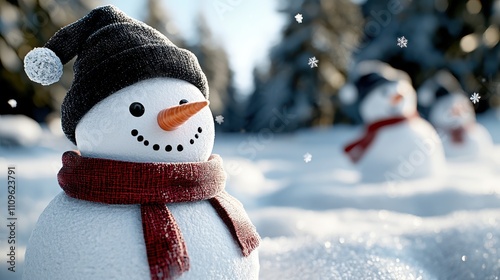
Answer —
157 17
461 36
23 26
234 110
215 64
290 88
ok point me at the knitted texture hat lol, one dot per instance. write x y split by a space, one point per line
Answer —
113 51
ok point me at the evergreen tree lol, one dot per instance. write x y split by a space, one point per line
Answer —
461 36
158 18
23 26
233 110
215 64
291 89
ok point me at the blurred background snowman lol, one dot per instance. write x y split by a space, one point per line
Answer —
449 109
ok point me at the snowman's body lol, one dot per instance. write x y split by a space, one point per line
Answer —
455 111
409 149
76 239
477 143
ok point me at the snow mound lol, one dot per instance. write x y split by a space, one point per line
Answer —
19 130
378 245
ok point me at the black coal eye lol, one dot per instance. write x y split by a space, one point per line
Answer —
183 101
136 109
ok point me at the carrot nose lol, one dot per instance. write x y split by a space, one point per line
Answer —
396 99
456 111
171 118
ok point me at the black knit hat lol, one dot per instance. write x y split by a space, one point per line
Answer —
113 51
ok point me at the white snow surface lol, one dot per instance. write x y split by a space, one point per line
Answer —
317 220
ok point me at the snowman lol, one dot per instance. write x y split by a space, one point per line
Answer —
143 197
452 113
397 144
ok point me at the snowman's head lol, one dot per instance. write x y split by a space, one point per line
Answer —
452 111
388 100
444 102
377 91
154 120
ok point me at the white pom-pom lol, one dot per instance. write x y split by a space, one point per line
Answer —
348 94
43 66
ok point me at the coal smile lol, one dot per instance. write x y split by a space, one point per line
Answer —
167 148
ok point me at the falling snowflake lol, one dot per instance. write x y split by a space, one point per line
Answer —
12 103
475 97
402 42
298 18
307 157
219 119
313 62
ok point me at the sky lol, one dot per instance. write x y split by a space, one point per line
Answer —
246 29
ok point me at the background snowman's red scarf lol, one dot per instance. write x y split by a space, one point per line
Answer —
152 185
458 134
357 149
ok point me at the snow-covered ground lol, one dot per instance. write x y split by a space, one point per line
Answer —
316 219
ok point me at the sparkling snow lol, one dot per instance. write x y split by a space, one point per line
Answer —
316 220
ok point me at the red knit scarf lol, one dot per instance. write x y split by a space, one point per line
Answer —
457 135
357 149
152 185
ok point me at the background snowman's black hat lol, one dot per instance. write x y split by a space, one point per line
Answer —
363 78
443 83
113 51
